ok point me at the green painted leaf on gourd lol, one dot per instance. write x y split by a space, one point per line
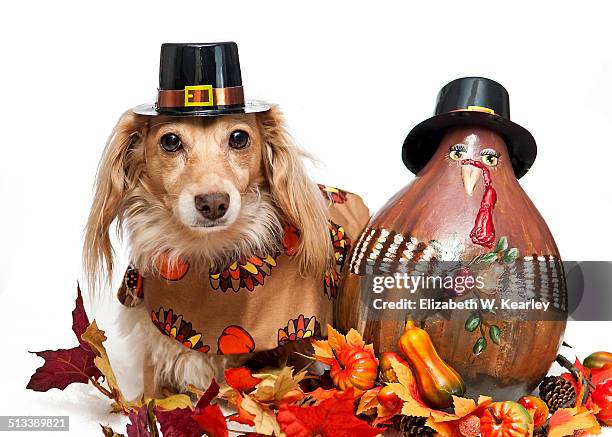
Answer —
472 322
502 244
495 333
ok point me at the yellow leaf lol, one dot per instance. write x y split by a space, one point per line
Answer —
274 387
463 406
265 419
322 350
95 338
368 403
353 338
173 402
444 429
567 420
404 374
108 432
334 338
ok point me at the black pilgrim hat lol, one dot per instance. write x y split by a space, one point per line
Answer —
474 101
200 80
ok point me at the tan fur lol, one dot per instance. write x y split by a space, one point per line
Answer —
148 191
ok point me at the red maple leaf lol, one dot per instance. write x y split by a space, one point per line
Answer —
178 423
63 367
333 417
212 421
80 321
185 422
241 379
139 426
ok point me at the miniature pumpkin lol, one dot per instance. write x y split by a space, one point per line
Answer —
506 419
537 408
354 367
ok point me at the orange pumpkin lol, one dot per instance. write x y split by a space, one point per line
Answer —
537 408
354 367
235 340
506 419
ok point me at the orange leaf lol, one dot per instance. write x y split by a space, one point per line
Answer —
369 401
241 379
320 394
243 416
331 418
567 420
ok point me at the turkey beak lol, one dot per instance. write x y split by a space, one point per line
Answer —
470 176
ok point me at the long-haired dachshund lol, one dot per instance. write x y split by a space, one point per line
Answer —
210 190
233 249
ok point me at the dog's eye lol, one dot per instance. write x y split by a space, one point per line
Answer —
171 142
238 139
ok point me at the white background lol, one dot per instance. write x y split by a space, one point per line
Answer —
352 81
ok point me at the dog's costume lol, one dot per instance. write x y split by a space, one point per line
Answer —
256 303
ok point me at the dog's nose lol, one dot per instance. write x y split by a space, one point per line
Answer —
212 206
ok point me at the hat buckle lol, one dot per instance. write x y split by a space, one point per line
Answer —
194 94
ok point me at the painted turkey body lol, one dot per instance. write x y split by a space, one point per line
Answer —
434 219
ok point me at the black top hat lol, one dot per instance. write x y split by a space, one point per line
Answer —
470 101
200 79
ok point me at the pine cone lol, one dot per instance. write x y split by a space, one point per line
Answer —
413 426
557 393
540 432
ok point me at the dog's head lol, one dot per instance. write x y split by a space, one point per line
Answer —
206 188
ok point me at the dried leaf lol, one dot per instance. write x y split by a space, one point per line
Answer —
95 338
243 416
368 403
566 421
332 417
80 321
275 387
172 402
108 432
139 426
178 423
63 367
264 418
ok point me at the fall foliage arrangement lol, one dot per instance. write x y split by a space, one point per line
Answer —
414 393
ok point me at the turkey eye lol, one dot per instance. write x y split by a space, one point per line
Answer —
457 155
489 157
490 160
238 139
171 143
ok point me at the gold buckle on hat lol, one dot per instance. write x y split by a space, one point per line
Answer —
481 109
204 90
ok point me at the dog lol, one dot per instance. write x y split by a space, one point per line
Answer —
213 190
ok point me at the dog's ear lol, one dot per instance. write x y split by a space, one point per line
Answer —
297 197
118 173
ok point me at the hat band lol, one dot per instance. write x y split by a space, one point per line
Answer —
200 96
